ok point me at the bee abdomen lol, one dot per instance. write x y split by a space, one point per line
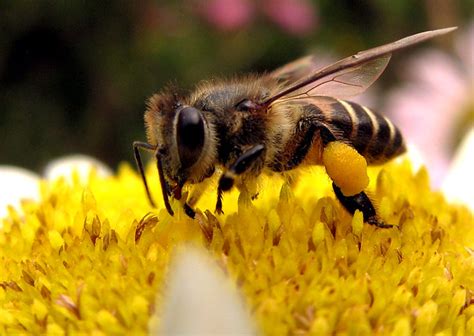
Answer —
372 135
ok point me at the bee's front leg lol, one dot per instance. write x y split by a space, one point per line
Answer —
189 211
243 163
178 195
195 195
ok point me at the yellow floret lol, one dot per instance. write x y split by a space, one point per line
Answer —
94 260
346 167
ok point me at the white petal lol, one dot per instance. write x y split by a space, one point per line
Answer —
16 184
459 183
200 300
82 164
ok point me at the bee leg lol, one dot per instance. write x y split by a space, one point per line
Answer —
219 202
359 201
362 203
189 211
138 160
196 194
243 163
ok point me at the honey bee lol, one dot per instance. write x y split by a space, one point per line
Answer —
273 122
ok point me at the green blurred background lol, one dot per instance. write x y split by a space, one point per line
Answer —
74 75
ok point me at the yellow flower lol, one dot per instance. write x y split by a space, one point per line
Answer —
93 260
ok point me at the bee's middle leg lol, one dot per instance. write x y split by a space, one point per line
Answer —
362 203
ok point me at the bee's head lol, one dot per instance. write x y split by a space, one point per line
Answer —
184 137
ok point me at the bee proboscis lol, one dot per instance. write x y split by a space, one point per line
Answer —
278 121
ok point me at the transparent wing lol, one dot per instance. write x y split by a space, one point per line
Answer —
344 83
293 72
351 75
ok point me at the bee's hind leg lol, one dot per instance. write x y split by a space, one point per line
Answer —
362 203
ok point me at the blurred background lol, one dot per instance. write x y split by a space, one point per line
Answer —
74 75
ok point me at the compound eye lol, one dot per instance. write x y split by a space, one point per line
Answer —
190 135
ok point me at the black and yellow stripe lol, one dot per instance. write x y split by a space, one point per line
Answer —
372 135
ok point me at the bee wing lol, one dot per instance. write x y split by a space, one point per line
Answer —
296 70
351 75
343 83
